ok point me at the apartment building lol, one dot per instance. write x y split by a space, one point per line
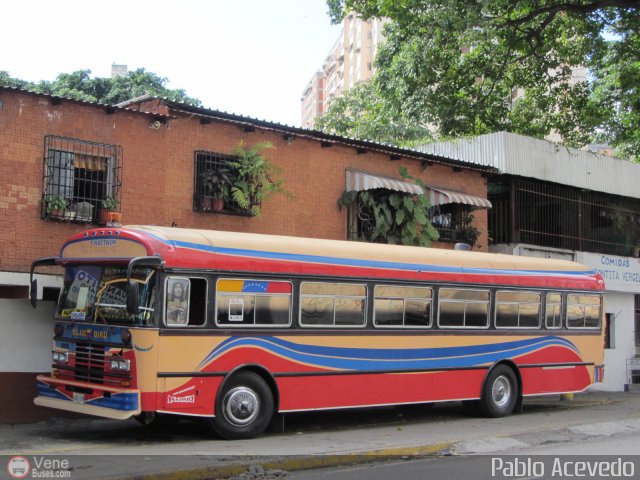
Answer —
350 60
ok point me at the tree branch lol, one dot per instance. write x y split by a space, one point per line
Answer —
582 9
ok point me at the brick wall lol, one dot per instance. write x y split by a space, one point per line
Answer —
157 176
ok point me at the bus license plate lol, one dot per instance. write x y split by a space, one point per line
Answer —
78 397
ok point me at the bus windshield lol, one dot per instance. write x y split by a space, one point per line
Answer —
98 294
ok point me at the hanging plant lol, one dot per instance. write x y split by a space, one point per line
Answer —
255 178
469 233
387 216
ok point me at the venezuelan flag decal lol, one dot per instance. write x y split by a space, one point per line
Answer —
253 286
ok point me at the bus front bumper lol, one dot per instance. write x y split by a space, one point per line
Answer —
90 399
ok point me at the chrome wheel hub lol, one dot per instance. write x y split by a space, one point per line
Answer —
501 391
241 406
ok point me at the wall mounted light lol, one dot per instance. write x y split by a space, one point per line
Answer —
288 139
1 104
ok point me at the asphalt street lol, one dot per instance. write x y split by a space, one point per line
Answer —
187 449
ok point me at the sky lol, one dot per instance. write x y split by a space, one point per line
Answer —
248 57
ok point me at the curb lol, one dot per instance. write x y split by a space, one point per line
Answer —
291 464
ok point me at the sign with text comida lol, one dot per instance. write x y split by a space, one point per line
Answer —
620 274
103 247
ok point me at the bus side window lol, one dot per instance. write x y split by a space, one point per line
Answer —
186 300
402 306
584 311
244 302
518 309
553 316
328 304
463 308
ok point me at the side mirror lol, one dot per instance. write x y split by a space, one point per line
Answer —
33 293
132 298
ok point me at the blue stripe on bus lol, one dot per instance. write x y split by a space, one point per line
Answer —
354 262
365 359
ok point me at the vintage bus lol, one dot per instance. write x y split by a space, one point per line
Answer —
238 327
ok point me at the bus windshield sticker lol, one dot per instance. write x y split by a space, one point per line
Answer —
236 309
178 301
81 302
78 316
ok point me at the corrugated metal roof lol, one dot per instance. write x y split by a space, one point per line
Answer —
515 154
324 137
83 102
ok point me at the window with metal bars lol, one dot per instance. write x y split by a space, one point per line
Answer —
559 216
81 179
454 222
213 180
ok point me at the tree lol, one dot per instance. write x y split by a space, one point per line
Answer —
361 113
80 86
456 65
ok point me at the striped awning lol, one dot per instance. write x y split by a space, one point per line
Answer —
440 196
359 181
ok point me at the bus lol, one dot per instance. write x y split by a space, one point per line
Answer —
237 327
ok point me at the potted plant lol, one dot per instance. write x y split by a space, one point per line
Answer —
254 181
108 204
215 188
55 206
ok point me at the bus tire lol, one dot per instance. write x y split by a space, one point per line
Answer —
244 407
499 393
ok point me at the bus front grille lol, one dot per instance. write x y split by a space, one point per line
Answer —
90 362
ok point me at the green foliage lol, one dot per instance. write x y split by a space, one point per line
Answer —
455 65
386 216
80 86
255 178
55 202
468 233
216 182
362 113
110 203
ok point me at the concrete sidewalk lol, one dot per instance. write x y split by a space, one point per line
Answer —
320 439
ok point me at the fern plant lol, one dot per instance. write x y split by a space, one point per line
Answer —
256 178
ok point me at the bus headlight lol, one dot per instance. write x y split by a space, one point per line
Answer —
120 364
61 357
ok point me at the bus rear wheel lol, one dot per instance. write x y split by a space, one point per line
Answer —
244 407
499 393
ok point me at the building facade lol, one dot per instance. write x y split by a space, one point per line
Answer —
558 202
350 60
63 160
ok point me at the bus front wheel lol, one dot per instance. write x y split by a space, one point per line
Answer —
244 407
499 393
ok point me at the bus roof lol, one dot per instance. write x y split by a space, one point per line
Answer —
260 253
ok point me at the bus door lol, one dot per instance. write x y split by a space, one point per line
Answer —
183 386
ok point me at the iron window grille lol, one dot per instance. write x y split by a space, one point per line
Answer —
79 177
454 222
206 164
559 216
